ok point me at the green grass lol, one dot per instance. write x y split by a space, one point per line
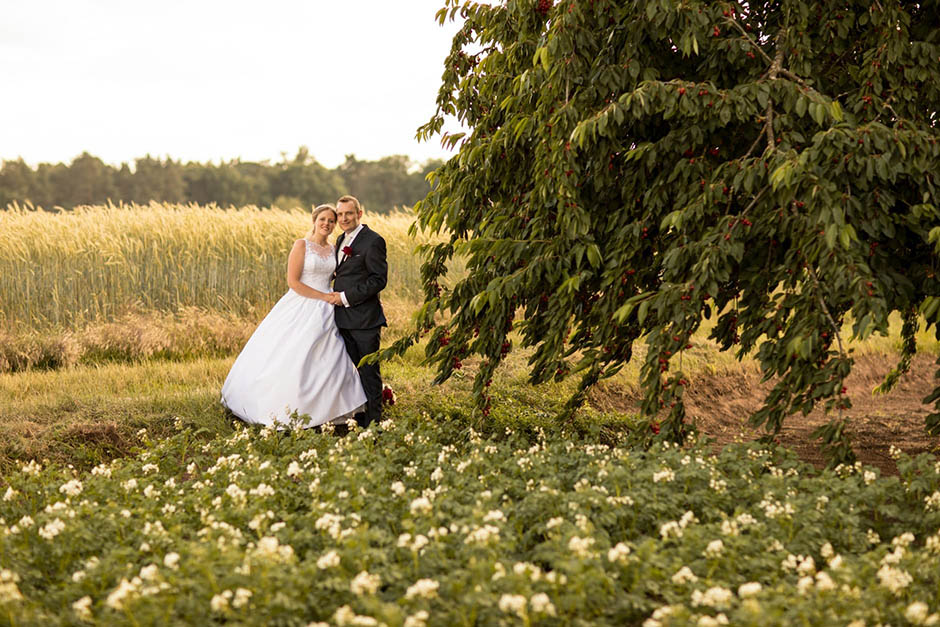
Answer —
88 413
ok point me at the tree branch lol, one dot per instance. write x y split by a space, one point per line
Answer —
750 39
775 67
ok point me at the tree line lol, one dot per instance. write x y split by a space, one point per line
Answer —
300 181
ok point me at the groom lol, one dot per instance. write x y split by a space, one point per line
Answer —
361 273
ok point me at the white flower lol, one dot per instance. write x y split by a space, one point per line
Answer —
52 529
78 576
150 492
932 502
716 597
904 540
423 588
268 547
262 490
807 566
527 569
125 590
541 604
687 519
513 604
714 549
666 475
894 579
494 516
873 537
9 591
418 619
916 613
718 485
171 560
328 560
420 505
129 485
294 469
437 475
618 553
32 468
82 608
9 494
670 529
420 542
554 522
331 523
684 575
482 535
149 572
824 581
712 621
869 477
242 596
101 470
71 488
804 585
398 488
149 468
235 492
25 521
749 589
219 602
580 546
365 583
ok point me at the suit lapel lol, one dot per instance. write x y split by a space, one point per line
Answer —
339 244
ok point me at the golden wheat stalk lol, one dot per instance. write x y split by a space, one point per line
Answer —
95 263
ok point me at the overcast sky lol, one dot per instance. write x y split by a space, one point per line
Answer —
202 80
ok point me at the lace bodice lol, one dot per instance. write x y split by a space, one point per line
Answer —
319 264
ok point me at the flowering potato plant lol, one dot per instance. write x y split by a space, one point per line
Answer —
428 522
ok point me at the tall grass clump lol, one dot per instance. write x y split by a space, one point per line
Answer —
95 263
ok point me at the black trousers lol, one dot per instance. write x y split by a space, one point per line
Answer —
360 342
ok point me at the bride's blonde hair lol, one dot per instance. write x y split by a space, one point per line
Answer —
317 211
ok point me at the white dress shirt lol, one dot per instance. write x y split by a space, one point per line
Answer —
347 241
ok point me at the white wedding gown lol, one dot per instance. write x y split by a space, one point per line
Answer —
296 360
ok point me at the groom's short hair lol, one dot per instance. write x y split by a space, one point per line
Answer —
352 199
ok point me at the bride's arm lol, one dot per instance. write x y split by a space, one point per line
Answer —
295 265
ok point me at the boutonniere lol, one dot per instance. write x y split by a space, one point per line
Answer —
347 251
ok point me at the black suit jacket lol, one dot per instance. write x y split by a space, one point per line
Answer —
361 277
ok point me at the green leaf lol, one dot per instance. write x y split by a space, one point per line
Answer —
836 111
594 255
801 103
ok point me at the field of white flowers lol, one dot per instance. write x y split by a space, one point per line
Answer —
423 521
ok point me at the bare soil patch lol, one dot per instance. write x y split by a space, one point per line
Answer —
719 404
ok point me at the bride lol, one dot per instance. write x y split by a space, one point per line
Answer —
296 360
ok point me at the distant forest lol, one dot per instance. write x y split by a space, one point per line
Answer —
300 181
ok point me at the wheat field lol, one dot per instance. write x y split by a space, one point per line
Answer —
67 269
